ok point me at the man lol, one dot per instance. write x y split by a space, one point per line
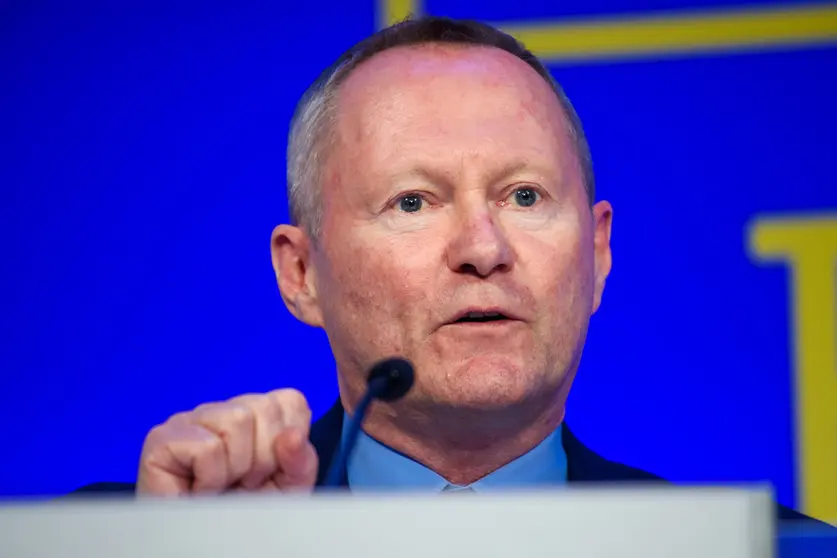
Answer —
442 196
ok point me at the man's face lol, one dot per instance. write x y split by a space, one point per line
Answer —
456 229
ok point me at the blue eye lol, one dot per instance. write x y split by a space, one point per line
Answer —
525 197
410 203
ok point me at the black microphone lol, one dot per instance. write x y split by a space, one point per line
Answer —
388 380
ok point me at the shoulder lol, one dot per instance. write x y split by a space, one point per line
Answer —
790 516
585 465
100 488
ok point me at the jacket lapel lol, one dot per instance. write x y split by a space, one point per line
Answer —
583 465
326 434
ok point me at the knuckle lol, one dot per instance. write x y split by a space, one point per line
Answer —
158 435
204 408
254 403
229 416
213 447
239 416
237 412
152 454
205 454
178 418
158 446
291 401
247 398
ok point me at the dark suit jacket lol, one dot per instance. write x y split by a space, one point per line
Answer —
583 465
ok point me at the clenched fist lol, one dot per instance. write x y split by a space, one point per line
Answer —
249 443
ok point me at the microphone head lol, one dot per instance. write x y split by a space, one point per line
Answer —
394 375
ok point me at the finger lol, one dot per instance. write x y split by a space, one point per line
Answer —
159 472
265 426
179 458
273 412
297 459
234 424
293 408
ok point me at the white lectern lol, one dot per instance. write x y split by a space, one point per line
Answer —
577 523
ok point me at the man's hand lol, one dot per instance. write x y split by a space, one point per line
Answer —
250 443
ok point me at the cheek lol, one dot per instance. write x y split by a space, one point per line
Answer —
391 269
376 286
355 285
565 277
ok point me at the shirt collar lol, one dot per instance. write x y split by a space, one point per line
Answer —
374 466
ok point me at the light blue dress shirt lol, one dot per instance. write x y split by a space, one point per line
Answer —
376 467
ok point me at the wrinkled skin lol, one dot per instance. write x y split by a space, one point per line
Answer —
453 186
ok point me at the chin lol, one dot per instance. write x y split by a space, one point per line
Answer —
487 382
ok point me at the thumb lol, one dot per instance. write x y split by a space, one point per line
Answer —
297 460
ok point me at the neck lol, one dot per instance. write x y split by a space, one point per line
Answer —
464 444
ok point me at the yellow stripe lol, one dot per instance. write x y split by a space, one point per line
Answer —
681 32
393 11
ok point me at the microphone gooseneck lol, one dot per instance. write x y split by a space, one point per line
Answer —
388 380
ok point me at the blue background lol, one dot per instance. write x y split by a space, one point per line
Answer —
142 171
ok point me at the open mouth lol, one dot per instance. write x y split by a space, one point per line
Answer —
481 317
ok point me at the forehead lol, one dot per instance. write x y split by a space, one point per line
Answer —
449 90
437 63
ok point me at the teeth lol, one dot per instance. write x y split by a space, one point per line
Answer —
482 314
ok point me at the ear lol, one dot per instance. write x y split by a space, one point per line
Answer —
290 250
602 220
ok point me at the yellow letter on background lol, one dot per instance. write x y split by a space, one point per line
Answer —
393 11
809 247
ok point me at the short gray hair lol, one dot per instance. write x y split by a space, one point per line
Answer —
311 135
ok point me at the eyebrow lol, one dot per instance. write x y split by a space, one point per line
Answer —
509 169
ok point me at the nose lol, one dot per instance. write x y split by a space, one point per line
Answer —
479 246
